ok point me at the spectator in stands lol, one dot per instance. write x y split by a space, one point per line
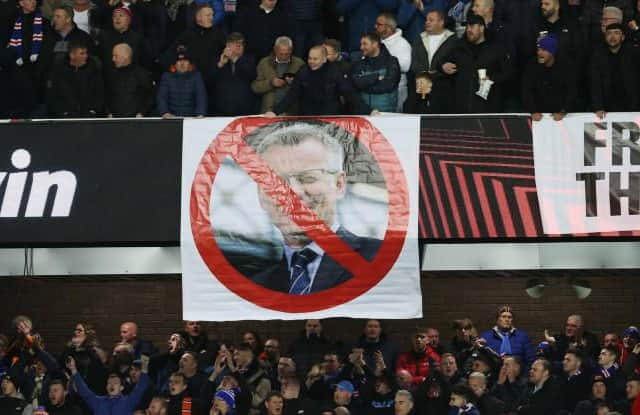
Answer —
553 22
129 333
597 15
158 406
119 33
269 359
376 76
449 368
205 43
598 396
548 84
318 89
66 33
403 402
412 15
197 340
76 88
309 348
84 17
496 29
11 400
465 341
344 396
404 380
423 100
378 394
121 359
487 404
193 376
252 339
274 404
182 93
610 339
27 50
361 15
114 402
163 364
373 341
286 368
233 75
262 24
481 68
335 55
130 92
180 399
90 358
632 403
510 384
610 370
134 375
58 402
275 73
387 28
504 338
574 336
432 395
578 383
614 85
544 396
257 380
420 360
322 379
462 398
429 51
630 350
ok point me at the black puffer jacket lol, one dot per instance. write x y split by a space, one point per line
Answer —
130 91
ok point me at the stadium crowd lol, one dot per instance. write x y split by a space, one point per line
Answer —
498 371
136 58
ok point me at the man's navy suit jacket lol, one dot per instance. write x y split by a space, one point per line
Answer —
329 274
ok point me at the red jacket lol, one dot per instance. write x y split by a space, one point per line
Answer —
418 364
635 409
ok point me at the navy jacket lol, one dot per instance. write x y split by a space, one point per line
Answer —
182 94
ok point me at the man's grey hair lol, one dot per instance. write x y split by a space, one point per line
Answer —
283 41
405 393
293 133
614 12
390 19
478 375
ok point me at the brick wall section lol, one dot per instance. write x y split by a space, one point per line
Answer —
55 303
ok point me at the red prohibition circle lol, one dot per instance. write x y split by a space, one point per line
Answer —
230 142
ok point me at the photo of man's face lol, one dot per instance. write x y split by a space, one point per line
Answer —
313 170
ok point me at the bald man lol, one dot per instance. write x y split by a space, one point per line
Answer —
317 88
129 334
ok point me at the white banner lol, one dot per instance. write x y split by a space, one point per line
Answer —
289 218
588 173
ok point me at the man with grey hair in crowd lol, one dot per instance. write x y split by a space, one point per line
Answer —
387 27
308 160
275 73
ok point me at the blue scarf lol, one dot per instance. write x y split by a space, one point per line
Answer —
36 37
505 346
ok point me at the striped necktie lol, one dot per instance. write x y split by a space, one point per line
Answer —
300 279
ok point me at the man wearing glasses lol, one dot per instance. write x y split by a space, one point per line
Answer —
310 161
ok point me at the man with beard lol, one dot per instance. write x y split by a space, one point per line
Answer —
58 403
114 403
614 87
543 396
483 68
308 156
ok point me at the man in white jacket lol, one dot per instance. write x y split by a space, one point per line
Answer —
387 27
